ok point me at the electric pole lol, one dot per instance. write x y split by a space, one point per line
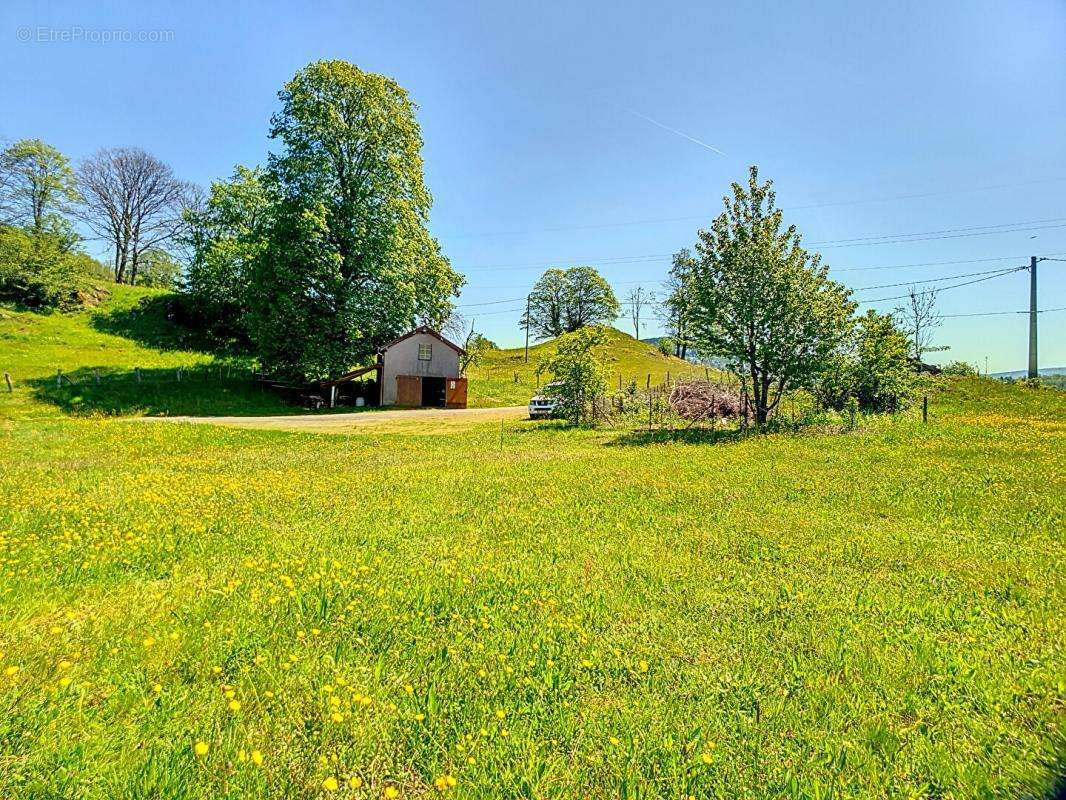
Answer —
527 326
1033 371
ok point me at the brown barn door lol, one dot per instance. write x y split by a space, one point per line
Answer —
455 392
408 390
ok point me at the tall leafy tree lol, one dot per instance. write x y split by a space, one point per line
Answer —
563 301
349 262
678 302
37 189
762 301
224 236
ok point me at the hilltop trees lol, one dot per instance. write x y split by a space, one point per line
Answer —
347 262
563 301
40 265
132 201
37 189
678 303
762 301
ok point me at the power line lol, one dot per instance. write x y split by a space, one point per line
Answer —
953 286
1002 313
929 280
861 241
827 204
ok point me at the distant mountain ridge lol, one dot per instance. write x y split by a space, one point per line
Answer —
1021 373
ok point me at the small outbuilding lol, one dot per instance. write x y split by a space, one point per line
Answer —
421 368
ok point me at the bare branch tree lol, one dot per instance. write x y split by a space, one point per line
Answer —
638 299
133 201
918 317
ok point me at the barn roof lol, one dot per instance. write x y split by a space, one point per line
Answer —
422 329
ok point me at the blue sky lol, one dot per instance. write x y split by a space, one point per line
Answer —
873 119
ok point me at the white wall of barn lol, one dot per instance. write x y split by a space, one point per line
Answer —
402 359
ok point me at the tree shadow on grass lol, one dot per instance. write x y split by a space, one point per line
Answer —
645 437
163 323
201 391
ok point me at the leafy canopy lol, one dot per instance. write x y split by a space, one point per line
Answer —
873 367
225 236
37 189
563 301
579 369
349 262
761 300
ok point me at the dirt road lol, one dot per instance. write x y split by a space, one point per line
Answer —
339 423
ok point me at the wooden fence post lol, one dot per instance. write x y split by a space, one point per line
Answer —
137 373
7 378
647 385
59 378
96 376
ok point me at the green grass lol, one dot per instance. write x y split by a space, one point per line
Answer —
130 331
550 613
531 610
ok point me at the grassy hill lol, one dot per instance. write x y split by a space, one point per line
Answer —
504 378
130 331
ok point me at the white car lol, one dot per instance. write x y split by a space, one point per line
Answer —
545 402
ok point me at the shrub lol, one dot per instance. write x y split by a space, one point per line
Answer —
872 368
667 345
578 370
39 271
961 369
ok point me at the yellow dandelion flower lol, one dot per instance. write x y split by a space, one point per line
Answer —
391 792
257 758
706 758
201 748
64 682
355 781
234 705
11 670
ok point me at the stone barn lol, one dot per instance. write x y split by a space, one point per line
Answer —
421 368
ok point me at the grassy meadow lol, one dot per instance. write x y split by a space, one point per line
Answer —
524 610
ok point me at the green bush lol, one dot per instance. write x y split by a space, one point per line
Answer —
38 270
873 369
961 369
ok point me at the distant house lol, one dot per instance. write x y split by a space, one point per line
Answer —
421 368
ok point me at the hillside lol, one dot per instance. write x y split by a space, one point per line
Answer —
504 377
130 331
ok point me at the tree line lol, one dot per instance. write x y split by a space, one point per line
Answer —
310 262
123 197
750 295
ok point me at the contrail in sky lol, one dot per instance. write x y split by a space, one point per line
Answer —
674 131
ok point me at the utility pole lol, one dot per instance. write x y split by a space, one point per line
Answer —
1033 371
528 296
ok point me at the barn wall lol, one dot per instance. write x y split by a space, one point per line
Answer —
402 359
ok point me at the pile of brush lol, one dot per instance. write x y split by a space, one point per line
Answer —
699 399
